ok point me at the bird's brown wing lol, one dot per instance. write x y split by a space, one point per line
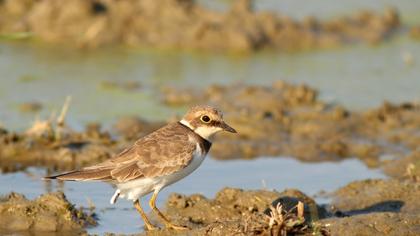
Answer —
162 152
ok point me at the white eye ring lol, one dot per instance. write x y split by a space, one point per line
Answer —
205 119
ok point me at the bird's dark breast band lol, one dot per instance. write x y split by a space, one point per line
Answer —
205 144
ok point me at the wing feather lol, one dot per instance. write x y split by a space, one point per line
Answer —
162 152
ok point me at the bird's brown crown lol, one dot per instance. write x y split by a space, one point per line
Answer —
203 116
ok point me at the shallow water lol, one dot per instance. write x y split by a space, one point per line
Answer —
358 77
270 173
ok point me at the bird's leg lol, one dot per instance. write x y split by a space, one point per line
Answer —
149 225
167 223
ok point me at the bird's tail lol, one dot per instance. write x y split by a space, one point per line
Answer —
83 175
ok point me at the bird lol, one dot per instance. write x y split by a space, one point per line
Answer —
157 160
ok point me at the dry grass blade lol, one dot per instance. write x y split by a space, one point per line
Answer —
61 118
49 129
411 172
300 209
282 222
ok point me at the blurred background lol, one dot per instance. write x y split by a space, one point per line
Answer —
143 63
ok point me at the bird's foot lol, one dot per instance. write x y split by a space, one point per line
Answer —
150 227
176 227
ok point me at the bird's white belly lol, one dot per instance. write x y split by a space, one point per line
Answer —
135 189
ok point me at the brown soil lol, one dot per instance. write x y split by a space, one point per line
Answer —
48 213
378 196
240 212
375 224
61 148
371 207
376 207
289 120
132 128
404 168
277 120
185 25
42 146
415 32
30 107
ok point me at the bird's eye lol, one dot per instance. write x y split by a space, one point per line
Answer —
205 119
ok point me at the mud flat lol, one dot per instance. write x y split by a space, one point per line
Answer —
45 145
370 207
50 213
367 207
289 120
407 167
360 208
56 146
186 25
277 120
415 32
241 212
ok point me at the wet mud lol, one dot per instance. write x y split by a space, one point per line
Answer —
378 196
58 147
415 32
289 120
375 224
30 107
376 207
50 213
149 23
43 145
277 120
407 167
367 207
360 208
241 212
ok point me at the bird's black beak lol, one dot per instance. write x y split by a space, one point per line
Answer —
227 128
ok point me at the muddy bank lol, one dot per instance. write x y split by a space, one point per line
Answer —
50 213
186 25
45 145
386 207
372 207
368 207
407 167
240 212
52 144
289 120
375 224
415 32
276 120
378 196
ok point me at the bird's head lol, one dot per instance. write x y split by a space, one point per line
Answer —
206 121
